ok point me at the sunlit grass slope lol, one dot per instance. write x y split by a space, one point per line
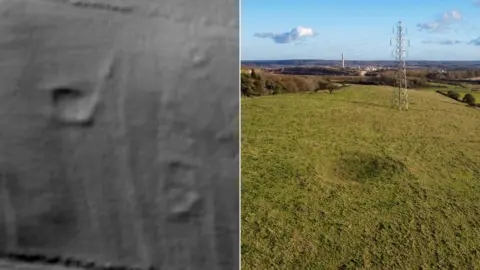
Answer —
342 181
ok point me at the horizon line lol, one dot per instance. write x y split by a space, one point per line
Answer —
392 60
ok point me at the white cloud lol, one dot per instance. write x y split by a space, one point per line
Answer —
442 23
454 14
475 42
290 36
443 42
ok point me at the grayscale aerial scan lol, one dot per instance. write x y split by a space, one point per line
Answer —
119 135
129 130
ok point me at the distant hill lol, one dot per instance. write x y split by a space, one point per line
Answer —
447 65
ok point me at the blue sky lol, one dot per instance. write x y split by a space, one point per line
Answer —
323 29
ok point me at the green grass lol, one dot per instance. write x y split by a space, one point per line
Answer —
342 181
475 94
461 90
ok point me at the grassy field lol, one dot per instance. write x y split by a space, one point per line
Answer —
475 94
342 181
461 90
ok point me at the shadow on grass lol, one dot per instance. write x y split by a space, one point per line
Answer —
382 106
370 104
453 103
462 104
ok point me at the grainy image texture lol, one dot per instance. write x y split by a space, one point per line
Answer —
118 131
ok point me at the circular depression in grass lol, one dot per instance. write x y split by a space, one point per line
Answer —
364 167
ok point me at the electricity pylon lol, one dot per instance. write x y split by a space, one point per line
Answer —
400 93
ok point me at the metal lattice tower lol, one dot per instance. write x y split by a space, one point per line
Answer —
400 93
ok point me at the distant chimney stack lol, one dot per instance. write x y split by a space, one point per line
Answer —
343 61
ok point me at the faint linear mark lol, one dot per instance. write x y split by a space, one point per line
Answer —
185 203
9 212
103 6
40 261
